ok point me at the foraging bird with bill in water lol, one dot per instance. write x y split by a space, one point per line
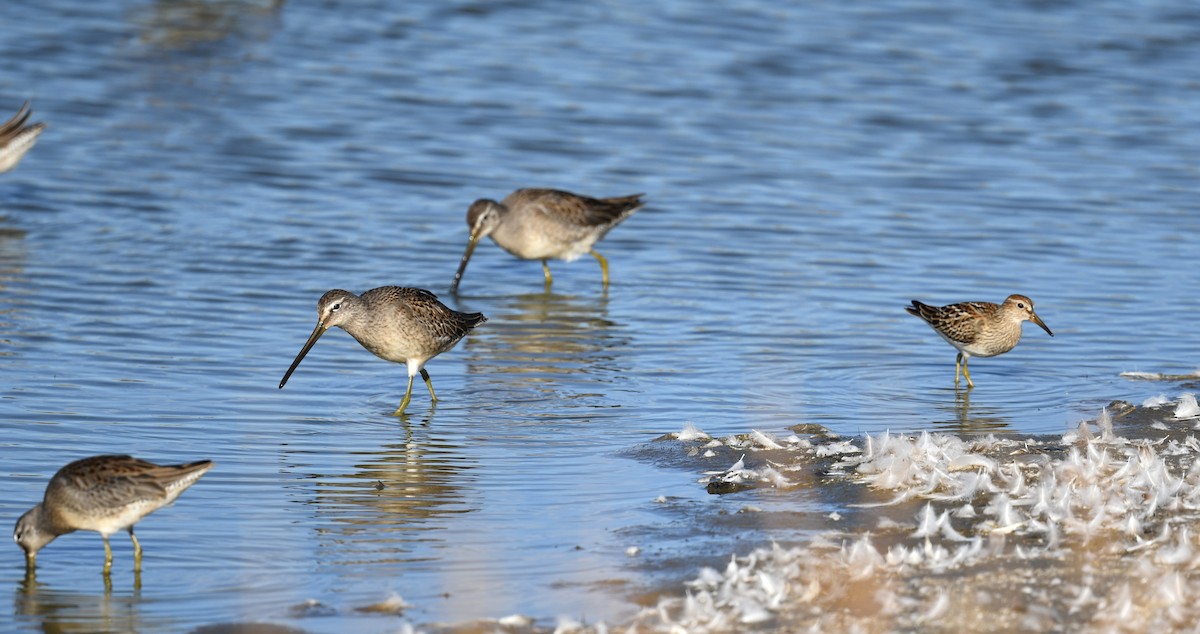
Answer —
103 494
980 329
540 224
399 324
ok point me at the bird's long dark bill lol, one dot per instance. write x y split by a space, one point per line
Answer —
312 340
462 266
1038 320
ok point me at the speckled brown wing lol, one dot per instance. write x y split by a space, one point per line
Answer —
12 127
610 211
17 138
104 482
385 295
447 325
957 322
579 211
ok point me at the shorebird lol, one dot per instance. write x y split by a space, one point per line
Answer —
403 325
103 494
539 224
16 138
980 329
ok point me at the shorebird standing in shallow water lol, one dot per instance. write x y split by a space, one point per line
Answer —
103 494
539 224
980 329
404 325
16 138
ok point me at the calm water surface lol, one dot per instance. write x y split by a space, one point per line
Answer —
211 168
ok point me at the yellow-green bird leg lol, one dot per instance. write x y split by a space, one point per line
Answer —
960 367
407 398
107 555
137 551
603 266
429 384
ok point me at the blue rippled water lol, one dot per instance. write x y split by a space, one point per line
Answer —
212 167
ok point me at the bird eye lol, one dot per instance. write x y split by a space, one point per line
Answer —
1020 305
335 306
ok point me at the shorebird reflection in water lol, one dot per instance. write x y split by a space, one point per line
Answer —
103 494
16 138
980 329
539 224
403 325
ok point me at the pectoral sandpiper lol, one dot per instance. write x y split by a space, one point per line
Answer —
980 329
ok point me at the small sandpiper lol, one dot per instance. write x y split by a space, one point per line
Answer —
103 494
980 329
16 138
539 224
404 325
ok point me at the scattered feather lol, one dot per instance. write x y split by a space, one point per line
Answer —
985 504
1187 407
1156 401
689 433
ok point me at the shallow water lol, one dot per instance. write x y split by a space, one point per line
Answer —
211 168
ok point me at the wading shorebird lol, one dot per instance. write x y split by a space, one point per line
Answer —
16 138
403 325
979 329
539 224
103 494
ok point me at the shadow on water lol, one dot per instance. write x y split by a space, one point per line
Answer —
191 25
385 510
72 611
12 268
963 418
542 346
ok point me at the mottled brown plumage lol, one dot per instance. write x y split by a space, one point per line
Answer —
403 325
16 138
980 329
539 224
103 494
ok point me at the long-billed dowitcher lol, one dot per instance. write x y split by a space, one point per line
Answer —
539 224
980 329
16 138
103 494
404 325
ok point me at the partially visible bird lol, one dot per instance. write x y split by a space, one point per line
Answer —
404 325
980 329
103 494
539 224
16 138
